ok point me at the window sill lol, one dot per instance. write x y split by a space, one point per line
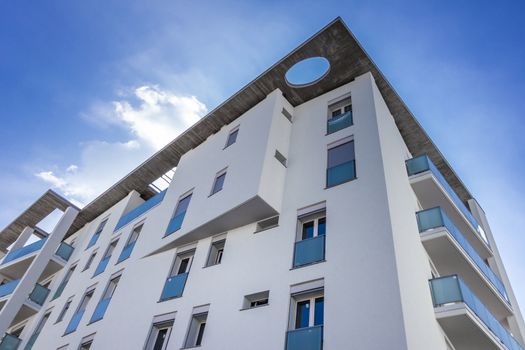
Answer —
344 182
168 299
255 307
212 265
309 264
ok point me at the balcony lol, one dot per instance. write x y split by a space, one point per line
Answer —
75 321
174 286
432 190
467 322
126 252
20 252
141 209
9 342
8 288
452 253
309 251
100 310
340 122
310 338
64 251
39 294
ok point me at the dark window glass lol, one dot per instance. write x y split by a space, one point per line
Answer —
259 302
341 164
319 311
341 154
302 317
183 205
348 108
183 265
308 229
219 182
321 228
336 113
200 334
232 138
161 336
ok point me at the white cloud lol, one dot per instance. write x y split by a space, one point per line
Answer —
151 117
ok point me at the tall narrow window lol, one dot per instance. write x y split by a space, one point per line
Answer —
310 238
126 251
86 342
64 282
218 182
178 217
232 137
160 333
64 310
90 260
97 233
174 286
216 251
339 115
195 335
105 260
341 164
77 316
306 320
37 331
103 304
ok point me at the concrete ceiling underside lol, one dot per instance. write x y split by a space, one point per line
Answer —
348 60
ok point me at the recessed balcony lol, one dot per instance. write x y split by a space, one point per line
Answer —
9 342
466 320
451 253
433 190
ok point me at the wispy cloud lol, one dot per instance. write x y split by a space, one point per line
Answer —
151 117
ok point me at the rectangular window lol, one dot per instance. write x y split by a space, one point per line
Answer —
339 116
64 282
90 260
307 309
103 304
178 217
126 251
341 164
218 183
232 137
287 114
105 259
216 252
196 331
160 332
77 316
282 159
64 310
37 331
86 345
174 286
267 224
310 238
256 300
97 233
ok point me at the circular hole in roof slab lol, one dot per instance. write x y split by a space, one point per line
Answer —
307 72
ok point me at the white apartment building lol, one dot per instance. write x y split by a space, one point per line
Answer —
298 217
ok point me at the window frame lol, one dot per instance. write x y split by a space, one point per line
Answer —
235 131
332 146
216 251
311 296
219 174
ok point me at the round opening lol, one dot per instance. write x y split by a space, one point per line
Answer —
307 72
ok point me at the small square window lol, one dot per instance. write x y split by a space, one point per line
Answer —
232 137
267 224
216 252
219 182
256 300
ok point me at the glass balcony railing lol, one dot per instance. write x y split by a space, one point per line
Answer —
10 342
39 294
175 223
64 251
451 289
100 310
340 122
126 252
340 174
141 209
310 338
31 341
309 250
75 321
174 286
422 164
8 288
435 218
102 266
20 252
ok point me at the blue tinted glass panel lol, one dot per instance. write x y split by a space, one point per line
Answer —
310 338
174 286
100 310
93 240
175 223
64 251
339 122
302 314
309 251
39 294
75 320
141 209
8 288
219 182
340 174
102 266
232 138
126 252
308 230
321 228
9 342
341 154
28 249
183 205
319 311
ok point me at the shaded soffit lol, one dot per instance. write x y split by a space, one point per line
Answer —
348 60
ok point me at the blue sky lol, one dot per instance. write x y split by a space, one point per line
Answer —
86 82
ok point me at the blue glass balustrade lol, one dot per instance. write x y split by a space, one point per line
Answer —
100 310
31 341
435 218
20 252
39 294
141 209
423 163
9 342
64 251
75 321
451 289
8 288
174 286
340 122
102 265
310 338
309 250
126 252
175 223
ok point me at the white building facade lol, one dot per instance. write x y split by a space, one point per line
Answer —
311 219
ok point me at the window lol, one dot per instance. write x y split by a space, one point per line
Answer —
216 251
232 137
97 233
64 310
197 326
178 217
103 304
105 260
310 237
86 342
267 224
64 282
341 164
282 159
174 286
218 183
307 309
160 332
90 260
37 331
339 115
126 251
287 114
256 300
77 316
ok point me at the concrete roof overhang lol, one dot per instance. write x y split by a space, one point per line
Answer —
348 60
